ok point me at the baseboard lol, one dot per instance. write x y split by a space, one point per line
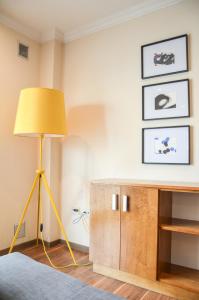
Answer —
51 244
19 247
77 247
74 246
28 244
31 243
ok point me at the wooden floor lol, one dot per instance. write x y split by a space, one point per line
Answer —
60 256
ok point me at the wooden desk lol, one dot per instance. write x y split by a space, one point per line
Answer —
131 229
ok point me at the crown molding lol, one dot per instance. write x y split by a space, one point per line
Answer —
115 19
16 26
118 18
50 35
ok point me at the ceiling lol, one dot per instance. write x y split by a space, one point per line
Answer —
71 17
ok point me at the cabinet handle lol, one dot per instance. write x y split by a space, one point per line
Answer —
125 203
114 202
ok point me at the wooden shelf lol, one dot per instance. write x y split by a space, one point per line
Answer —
181 225
181 277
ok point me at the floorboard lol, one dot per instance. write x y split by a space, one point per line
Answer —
60 256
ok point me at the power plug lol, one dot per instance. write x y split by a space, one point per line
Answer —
86 212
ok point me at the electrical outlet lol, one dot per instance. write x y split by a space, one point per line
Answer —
80 211
76 210
22 232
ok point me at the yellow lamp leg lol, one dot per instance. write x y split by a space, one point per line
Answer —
38 208
24 213
57 216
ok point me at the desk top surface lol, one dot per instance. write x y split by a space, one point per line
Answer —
162 185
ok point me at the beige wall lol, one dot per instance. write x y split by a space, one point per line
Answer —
18 156
102 85
51 76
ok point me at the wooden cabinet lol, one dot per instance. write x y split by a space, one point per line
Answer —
105 226
124 234
131 229
139 231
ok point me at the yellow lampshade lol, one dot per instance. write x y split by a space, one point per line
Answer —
41 111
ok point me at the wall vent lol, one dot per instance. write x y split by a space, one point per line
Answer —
23 50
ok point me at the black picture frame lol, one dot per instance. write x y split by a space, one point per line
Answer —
166 127
166 83
162 41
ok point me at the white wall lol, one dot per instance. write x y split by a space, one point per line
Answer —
18 156
102 84
51 76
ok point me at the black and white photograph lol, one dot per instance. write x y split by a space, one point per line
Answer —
165 57
166 100
166 145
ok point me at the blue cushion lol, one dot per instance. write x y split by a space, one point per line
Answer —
22 278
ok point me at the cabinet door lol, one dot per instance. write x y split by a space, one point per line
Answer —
139 231
105 225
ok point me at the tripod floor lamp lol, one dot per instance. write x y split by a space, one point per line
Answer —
41 113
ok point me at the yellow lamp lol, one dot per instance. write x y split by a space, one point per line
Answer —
41 113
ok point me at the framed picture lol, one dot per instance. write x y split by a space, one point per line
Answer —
165 57
166 100
166 145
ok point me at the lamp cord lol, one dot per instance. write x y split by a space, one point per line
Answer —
46 253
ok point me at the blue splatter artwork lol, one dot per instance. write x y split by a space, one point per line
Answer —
165 146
